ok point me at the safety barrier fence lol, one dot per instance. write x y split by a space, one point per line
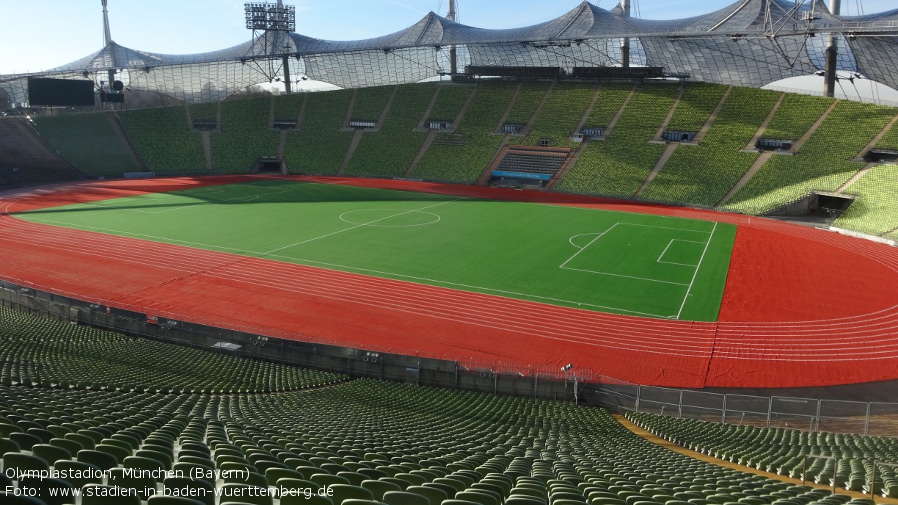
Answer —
806 414
568 383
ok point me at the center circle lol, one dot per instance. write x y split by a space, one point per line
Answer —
389 218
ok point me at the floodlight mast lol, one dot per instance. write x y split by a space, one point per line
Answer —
271 24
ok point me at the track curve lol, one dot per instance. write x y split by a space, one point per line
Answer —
802 307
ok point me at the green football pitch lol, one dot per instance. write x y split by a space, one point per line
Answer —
623 263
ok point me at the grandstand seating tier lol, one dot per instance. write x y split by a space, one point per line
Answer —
823 163
695 106
164 140
450 102
424 441
703 174
390 151
562 113
319 146
827 458
873 212
465 160
618 166
244 135
90 142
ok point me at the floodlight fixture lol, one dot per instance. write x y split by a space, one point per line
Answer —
270 17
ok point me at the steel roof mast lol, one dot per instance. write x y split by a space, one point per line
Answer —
625 42
107 39
777 20
453 53
832 53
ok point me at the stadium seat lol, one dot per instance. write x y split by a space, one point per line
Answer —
172 500
378 487
63 490
13 499
97 494
197 489
434 495
24 462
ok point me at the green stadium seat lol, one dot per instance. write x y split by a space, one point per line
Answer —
172 500
25 440
62 490
449 489
481 497
24 462
326 479
97 494
50 453
435 495
404 498
199 490
242 493
378 487
100 459
13 499
144 487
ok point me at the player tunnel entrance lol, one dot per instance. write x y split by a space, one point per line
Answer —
270 165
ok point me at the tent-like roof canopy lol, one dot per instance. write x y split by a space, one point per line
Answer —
749 43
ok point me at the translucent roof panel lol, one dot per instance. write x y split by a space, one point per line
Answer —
877 58
743 62
357 69
732 45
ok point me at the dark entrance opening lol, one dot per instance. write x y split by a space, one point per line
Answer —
271 166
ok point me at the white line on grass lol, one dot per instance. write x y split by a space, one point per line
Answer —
358 226
347 268
587 245
368 271
596 272
625 276
659 260
697 268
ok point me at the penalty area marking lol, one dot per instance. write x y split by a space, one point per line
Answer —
659 260
596 236
697 267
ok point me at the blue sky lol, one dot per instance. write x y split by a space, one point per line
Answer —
48 33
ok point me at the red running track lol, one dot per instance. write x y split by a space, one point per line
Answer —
802 307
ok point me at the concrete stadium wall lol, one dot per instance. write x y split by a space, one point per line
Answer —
356 363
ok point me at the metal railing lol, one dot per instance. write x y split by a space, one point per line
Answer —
806 414
580 385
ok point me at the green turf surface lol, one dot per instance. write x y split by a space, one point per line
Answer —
636 264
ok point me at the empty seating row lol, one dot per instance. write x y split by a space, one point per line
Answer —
842 460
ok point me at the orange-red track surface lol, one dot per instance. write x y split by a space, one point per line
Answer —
802 307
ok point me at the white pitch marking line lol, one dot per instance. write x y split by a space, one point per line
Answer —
571 240
347 268
357 226
697 268
665 251
659 260
587 245
624 276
